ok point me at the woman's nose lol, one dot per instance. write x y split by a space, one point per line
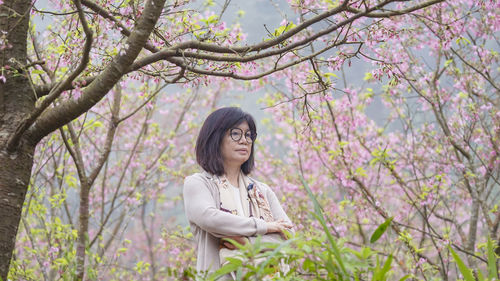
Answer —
243 140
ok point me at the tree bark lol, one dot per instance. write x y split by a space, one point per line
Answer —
17 99
14 179
471 241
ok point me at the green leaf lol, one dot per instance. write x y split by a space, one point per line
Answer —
359 255
380 230
274 253
318 213
361 172
209 3
367 252
122 250
368 76
379 275
308 265
284 28
330 74
460 39
37 71
492 261
329 265
227 268
61 261
466 272
405 277
480 276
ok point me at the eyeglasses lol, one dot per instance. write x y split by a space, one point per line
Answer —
237 133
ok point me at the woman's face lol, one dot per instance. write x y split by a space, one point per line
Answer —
235 153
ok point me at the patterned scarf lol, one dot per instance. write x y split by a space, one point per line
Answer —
252 200
254 205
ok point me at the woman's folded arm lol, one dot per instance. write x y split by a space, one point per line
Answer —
201 210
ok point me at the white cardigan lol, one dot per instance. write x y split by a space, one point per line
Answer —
209 224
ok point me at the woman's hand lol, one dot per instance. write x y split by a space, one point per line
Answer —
278 227
227 244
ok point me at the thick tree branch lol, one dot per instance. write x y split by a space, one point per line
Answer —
239 53
110 135
176 51
83 218
181 63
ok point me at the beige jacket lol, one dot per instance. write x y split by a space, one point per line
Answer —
209 224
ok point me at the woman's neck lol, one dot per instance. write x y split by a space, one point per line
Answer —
232 174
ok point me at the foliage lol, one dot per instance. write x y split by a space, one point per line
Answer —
473 274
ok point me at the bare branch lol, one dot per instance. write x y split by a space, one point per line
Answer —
38 62
54 13
70 109
210 51
397 13
485 76
124 30
121 179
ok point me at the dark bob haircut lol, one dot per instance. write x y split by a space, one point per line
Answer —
208 144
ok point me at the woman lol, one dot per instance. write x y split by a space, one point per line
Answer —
223 201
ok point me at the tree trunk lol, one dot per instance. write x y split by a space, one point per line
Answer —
16 101
471 242
82 230
14 179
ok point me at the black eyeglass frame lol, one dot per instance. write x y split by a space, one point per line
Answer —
252 136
